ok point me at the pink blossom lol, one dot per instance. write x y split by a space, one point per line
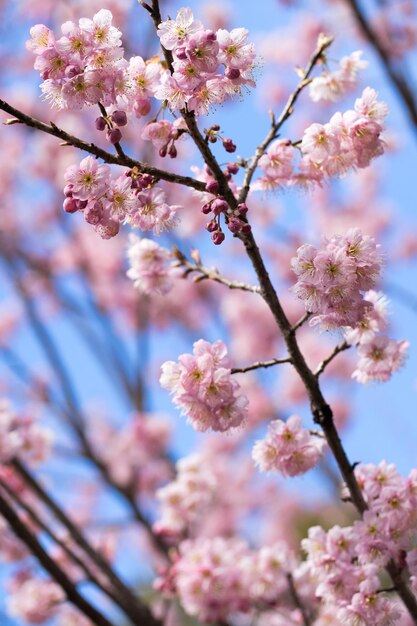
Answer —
379 359
288 448
151 211
173 32
89 179
235 52
331 86
35 601
148 266
203 387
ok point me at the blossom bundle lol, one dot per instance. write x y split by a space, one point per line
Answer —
106 202
288 448
203 387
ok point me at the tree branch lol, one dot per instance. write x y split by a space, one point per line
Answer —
30 540
394 74
259 365
337 350
119 159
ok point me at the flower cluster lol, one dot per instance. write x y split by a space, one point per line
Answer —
208 66
84 66
217 577
35 600
21 436
149 268
331 86
135 455
332 278
202 385
185 500
349 140
131 198
379 358
379 355
288 448
346 563
87 66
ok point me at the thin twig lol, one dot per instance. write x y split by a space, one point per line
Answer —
394 72
116 159
259 365
337 350
323 44
297 600
31 542
301 321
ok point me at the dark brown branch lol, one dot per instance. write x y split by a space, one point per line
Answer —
131 605
394 73
323 44
116 159
337 350
205 273
61 543
297 600
30 540
259 365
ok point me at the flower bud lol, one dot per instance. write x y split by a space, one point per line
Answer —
212 226
100 123
119 118
228 145
142 107
235 225
233 168
72 70
181 54
219 205
232 73
218 238
212 186
70 205
206 208
114 135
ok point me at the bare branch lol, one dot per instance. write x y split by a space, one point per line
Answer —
394 72
297 600
337 350
323 44
205 273
30 540
259 365
116 159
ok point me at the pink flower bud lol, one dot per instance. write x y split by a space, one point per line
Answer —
233 168
119 118
219 205
206 208
212 226
228 145
100 123
72 70
142 107
217 238
114 135
232 73
235 225
212 186
70 205
181 54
